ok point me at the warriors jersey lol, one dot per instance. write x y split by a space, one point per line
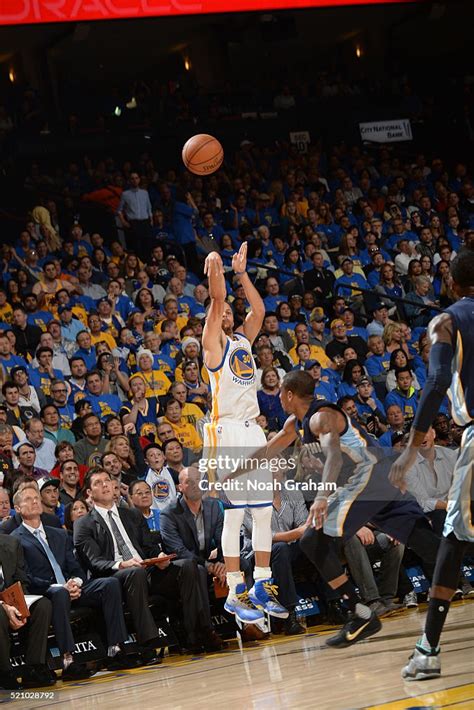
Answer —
234 383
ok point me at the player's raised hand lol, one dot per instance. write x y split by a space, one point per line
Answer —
400 467
239 260
213 264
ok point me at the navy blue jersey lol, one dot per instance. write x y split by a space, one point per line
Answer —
461 391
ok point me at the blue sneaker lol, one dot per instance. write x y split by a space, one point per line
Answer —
240 605
264 596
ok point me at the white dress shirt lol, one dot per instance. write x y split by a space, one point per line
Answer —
104 513
429 486
32 530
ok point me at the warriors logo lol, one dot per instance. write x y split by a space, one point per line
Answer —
241 365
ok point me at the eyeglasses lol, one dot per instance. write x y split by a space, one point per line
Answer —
140 493
58 391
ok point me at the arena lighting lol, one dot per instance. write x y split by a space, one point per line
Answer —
358 52
187 64
12 75
22 12
132 103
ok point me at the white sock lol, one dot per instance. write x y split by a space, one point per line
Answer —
262 573
363 611
67 660
233 579
113 650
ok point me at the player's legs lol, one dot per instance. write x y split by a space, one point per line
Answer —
458 533
237 601
264 593
321 551
425 661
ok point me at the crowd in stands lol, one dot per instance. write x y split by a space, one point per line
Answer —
105 394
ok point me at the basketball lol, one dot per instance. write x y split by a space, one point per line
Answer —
203 154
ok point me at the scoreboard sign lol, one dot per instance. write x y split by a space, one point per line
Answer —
23 12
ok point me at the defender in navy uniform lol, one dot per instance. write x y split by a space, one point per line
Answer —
361 468
450 370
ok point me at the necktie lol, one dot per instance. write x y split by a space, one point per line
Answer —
60 579
123 548
2 580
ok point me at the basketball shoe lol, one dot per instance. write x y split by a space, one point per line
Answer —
241 606
355 630
422 665
264 596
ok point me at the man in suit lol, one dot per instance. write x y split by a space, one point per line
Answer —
14 522
192 527
114 541
54 572
35 674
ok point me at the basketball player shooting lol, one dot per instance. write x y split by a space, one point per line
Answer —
232 373
451 366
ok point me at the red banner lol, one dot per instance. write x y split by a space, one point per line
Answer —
23 12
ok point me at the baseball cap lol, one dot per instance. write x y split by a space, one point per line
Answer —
263 196
318 315
104 299
311 363
45 482
364 381
378 306
65 307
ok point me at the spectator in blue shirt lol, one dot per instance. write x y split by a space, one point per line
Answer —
348 316
85 349
353 371
103 404
42 376
273 298
404 394
367 402
346 285
266 214
322 389
7 359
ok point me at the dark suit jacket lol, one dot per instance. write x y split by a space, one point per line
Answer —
14 522
95 546
40 572
179 532
12 561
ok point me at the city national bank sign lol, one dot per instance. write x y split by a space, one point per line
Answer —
24 12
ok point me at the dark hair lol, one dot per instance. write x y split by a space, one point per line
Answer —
67 461
60 446
399 370
350 365
79 404
462 268
394 355
86 418
89 475
152 446
68 523
94 372
172 400
46 406
76 357
174 440
134 484
300 383
344 400
9 384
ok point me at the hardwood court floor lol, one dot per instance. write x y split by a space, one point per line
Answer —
291 672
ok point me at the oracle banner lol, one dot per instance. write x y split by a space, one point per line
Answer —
23 12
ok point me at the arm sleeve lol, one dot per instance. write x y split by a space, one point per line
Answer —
437 383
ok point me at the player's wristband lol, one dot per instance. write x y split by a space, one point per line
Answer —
240 273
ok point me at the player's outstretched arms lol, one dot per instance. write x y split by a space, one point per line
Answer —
254 320
213 339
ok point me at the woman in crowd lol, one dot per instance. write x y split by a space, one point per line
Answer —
398 359
393 338
269 399
72 512
353 371
132 461
145 302
389 285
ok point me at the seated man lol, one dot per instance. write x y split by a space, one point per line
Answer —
36 673
192 527
114 541
54 572
289 517
140 494
360 551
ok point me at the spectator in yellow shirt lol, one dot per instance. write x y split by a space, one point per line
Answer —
97 334
157 383
185 432
317 352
